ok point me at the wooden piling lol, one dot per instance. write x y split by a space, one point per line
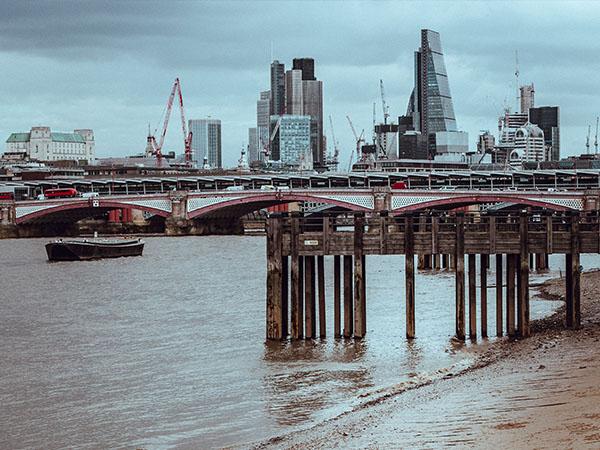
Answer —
510 294
348 298
573 278
285 289
359 291
472 297
296 291
321 283
523 297
309 300
484 262
409 270
337 296
459 259
499 282
274 281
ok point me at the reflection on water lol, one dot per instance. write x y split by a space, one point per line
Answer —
168 349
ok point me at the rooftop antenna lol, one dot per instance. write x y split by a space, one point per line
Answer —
587 141
517 78
596 139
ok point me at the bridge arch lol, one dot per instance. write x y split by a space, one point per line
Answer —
404 204
201 206
33 211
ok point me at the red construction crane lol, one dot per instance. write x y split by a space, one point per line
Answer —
187 137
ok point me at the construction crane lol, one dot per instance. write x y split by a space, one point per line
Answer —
386 108
358 139
187 137
596 138
336 149
587 141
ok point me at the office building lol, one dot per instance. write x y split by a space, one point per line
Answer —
41 144
529 145
548 119
386 140
291 141
294 97
277 107
306 66
262 123
527 97
430 103
206 142
253 145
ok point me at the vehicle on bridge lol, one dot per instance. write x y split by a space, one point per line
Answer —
58 193
7 195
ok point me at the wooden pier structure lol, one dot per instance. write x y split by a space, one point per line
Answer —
297 246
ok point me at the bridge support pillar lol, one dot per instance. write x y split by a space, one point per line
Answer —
321 284
309 299
348 297
523 279
337 296
511 263
472 276
484 262
360 303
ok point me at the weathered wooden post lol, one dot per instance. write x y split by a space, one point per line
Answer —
511 263
321 283
274 282
359 291
472 297
459 259
337 291
285 289
348 298
484 262
523 281
573 276
499 282
297 293
409 270
309 302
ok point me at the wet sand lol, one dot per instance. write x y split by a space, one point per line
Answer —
542 392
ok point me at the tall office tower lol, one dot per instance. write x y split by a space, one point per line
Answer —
207 141
291 141
527 97
312 92
529 144
277 89
306 66
548 119
262 122
294 98
431 102
253 145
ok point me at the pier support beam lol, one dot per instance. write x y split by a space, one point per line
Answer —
321 283
499 282
348 298
360 311
274 280
573 278
309 302
297 290
337 296
472 275
459 259
511 261
285 289
409 270
484 262
523 281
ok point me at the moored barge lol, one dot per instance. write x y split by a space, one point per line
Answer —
94 248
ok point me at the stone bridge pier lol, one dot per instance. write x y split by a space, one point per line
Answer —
8 227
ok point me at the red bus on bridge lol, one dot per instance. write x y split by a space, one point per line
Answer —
60 193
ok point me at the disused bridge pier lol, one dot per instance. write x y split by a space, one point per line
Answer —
297 246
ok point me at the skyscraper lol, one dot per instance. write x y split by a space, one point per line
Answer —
207 141
291 142
548 119
527 97
277 89
253 145
294 97
262 121
431 103
306 66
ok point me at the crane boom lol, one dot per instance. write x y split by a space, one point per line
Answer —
187 137
336 150
352 126
596 138
587 141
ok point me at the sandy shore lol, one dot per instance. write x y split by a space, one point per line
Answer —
542 392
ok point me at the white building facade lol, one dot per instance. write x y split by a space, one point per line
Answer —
41 144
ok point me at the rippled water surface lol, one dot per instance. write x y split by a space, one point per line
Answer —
168 350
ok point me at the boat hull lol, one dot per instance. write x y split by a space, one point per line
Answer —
80 250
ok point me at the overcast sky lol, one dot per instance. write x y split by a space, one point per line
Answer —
109 65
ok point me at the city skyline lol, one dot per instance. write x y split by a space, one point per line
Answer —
113 75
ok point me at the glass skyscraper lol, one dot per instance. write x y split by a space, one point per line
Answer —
206 141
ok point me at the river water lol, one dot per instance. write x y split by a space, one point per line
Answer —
168 350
